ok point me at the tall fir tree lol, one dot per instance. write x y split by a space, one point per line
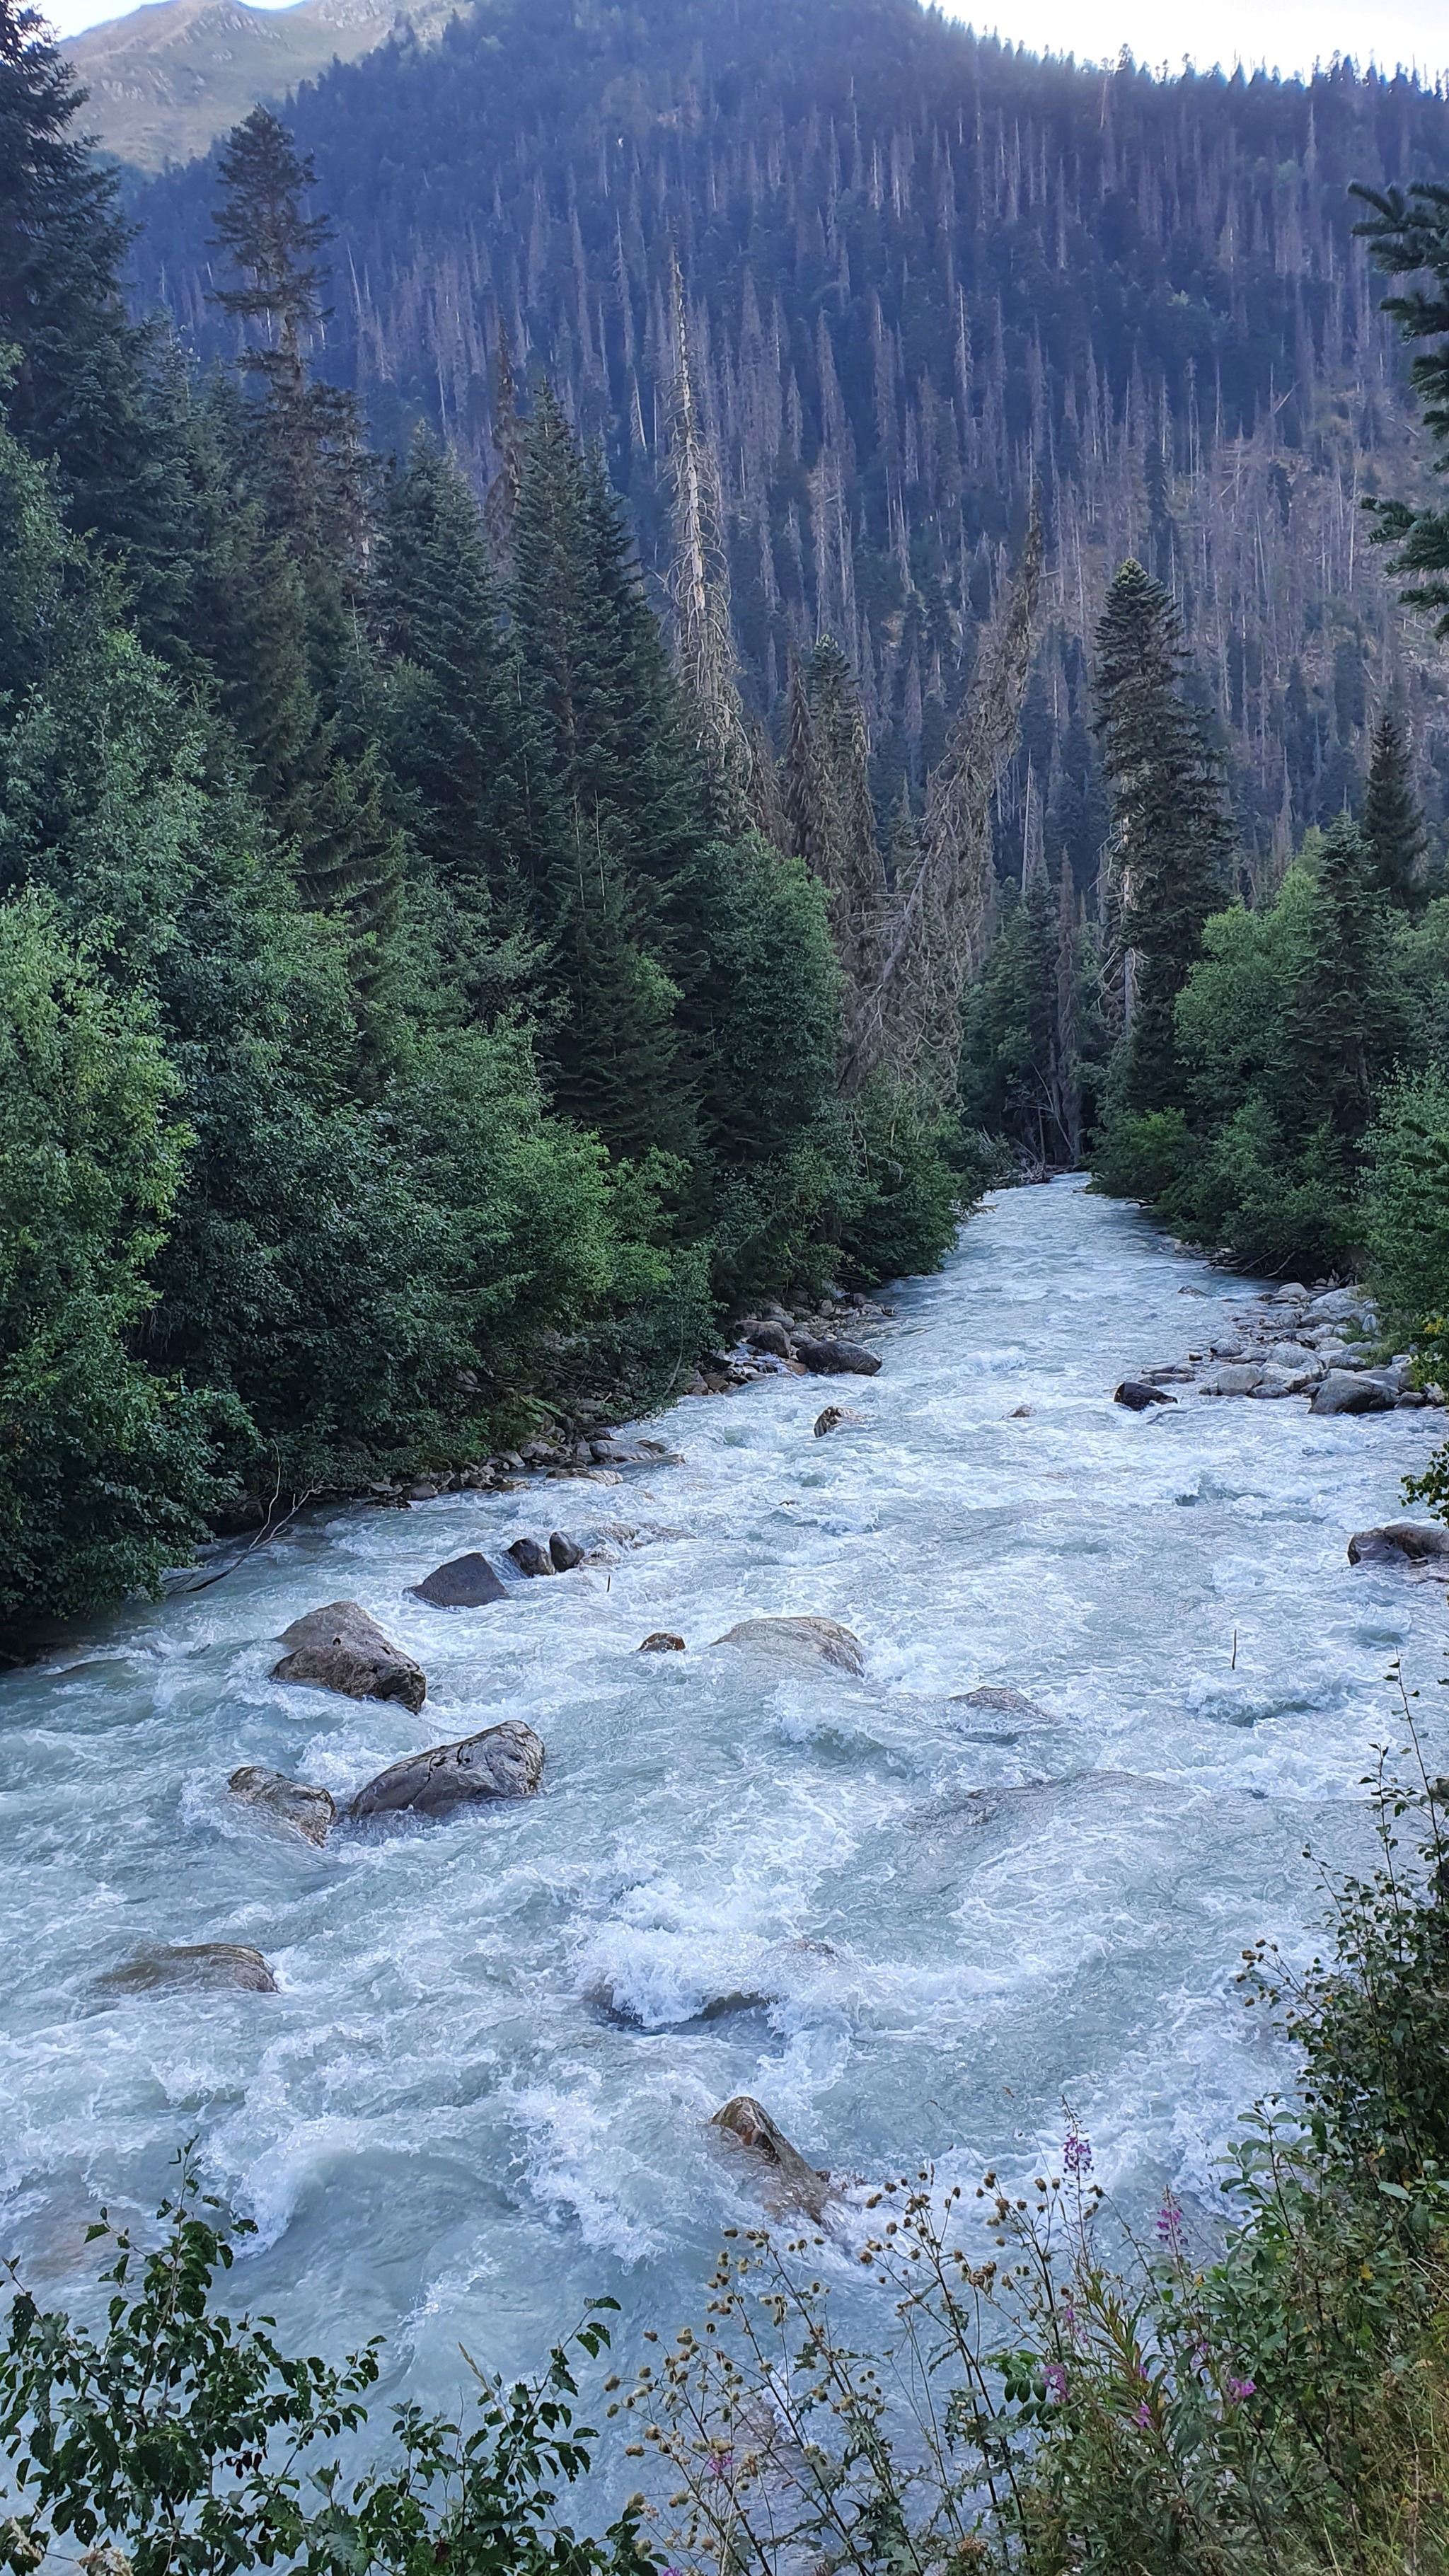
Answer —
1170 837
1393 819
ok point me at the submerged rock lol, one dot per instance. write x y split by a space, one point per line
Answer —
1345 1391
530 1558
464 1583
1419 1542
663 1641
341 1648
505 1761
1009 1703
207 1967
832 1418
787 2175
802 1640
293 1803
835 1359
1137 1394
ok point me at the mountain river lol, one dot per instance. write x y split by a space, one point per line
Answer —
911 1926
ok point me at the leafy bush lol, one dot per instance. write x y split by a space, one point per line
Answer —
179 2441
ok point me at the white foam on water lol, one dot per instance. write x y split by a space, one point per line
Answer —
912 1927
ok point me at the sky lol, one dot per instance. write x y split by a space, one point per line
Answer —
1287 35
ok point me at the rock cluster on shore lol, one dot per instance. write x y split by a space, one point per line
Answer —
1298 1341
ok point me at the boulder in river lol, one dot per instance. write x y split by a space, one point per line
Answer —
1007 1703
1346 1391
464 1583
1420 1542
663 1641
1136 1394
769 1336
505 1761
836 1359
632 1453
832 1418
565 1551
293 1803
1236 1378
341 1648
800 1640
530 1558
786 2174
205 1968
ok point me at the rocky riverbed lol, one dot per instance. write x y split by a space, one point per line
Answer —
973 1742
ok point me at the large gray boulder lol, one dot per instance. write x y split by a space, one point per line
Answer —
1344 1391
835 1359
1236 1378
341 1648
787 2178
464 1583
800 1641
770 1337
302 1809
530 1558
206 1968
1419 1542
505 1761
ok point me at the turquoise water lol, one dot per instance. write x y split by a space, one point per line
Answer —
482 2093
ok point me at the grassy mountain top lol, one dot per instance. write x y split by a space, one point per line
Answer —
165 79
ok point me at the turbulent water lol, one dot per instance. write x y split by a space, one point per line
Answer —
912 1927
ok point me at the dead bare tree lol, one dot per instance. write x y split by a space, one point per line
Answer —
699 586
909 1023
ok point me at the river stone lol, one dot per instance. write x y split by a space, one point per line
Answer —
505 1761
633 1453
663 1641
788 2177
566 1552
800 1640
832 1418
1240 1380
1008 1703
1344 1392
1293 1356
1137 1395
835 1359
769 1336
206 1968
530 1558
464 1583
341 1648
293 1803
1419 1541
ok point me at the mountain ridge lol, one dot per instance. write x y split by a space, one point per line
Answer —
924 271
165 79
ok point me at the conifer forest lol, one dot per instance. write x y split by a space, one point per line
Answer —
650 661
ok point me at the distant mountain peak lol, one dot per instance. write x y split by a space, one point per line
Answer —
167 78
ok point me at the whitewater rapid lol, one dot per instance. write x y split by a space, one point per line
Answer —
481 2095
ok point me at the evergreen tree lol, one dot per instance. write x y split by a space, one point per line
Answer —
609 800
1169 832
75 394
1346 1021
1408 233
1393 820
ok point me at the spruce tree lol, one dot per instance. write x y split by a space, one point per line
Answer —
611 838
448 711
1393 820
76 391
1346 1018
1170 837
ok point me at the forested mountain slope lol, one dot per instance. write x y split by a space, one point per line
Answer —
923 270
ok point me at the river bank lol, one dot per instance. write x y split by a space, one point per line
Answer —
908 1923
